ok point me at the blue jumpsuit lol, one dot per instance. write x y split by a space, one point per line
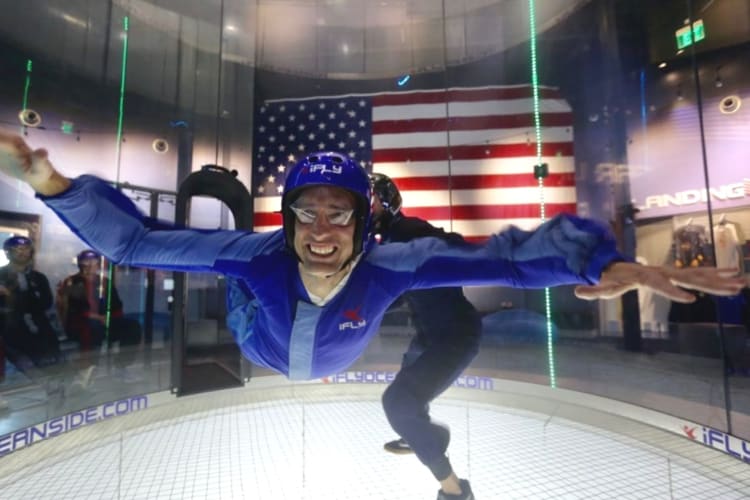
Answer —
290 334
448 330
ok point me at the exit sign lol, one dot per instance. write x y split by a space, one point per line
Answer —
684 37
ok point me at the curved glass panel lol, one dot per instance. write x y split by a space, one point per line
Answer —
486 114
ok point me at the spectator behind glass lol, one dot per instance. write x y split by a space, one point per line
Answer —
27 338
83 300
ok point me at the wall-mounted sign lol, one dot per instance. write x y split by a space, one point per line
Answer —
684 36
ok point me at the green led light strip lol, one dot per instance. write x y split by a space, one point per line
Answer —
25 102
121 110
120 115
538 133
24 105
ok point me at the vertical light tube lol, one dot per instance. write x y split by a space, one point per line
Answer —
120 115
24 105
538 134
26 87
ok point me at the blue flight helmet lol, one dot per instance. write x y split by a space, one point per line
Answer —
87 254
17 241
328 169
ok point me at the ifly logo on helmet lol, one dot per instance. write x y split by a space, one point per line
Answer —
326 169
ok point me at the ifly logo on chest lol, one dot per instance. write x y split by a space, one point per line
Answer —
355 320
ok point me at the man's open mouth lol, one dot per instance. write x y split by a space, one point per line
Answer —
322 250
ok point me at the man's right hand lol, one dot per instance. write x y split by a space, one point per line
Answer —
18 160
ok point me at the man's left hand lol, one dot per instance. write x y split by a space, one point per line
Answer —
622 277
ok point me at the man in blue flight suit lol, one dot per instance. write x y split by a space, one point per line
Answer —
320 288
448 330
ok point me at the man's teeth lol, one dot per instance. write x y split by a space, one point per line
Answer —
322 250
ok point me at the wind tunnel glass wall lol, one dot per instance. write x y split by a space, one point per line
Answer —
657 130
138 96
629 127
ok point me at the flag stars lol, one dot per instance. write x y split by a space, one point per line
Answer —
290 130
280 189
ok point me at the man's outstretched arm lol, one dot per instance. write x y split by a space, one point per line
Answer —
110 222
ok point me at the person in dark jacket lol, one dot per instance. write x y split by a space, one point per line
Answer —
27 337
448 330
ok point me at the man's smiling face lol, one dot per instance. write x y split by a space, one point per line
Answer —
324 245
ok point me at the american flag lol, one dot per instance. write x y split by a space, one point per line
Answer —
463 158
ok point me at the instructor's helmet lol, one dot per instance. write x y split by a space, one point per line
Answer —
387 192
328 169
17 241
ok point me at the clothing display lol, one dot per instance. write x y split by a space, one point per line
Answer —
691 246
728 245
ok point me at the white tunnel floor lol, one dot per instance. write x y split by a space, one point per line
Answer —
329 450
